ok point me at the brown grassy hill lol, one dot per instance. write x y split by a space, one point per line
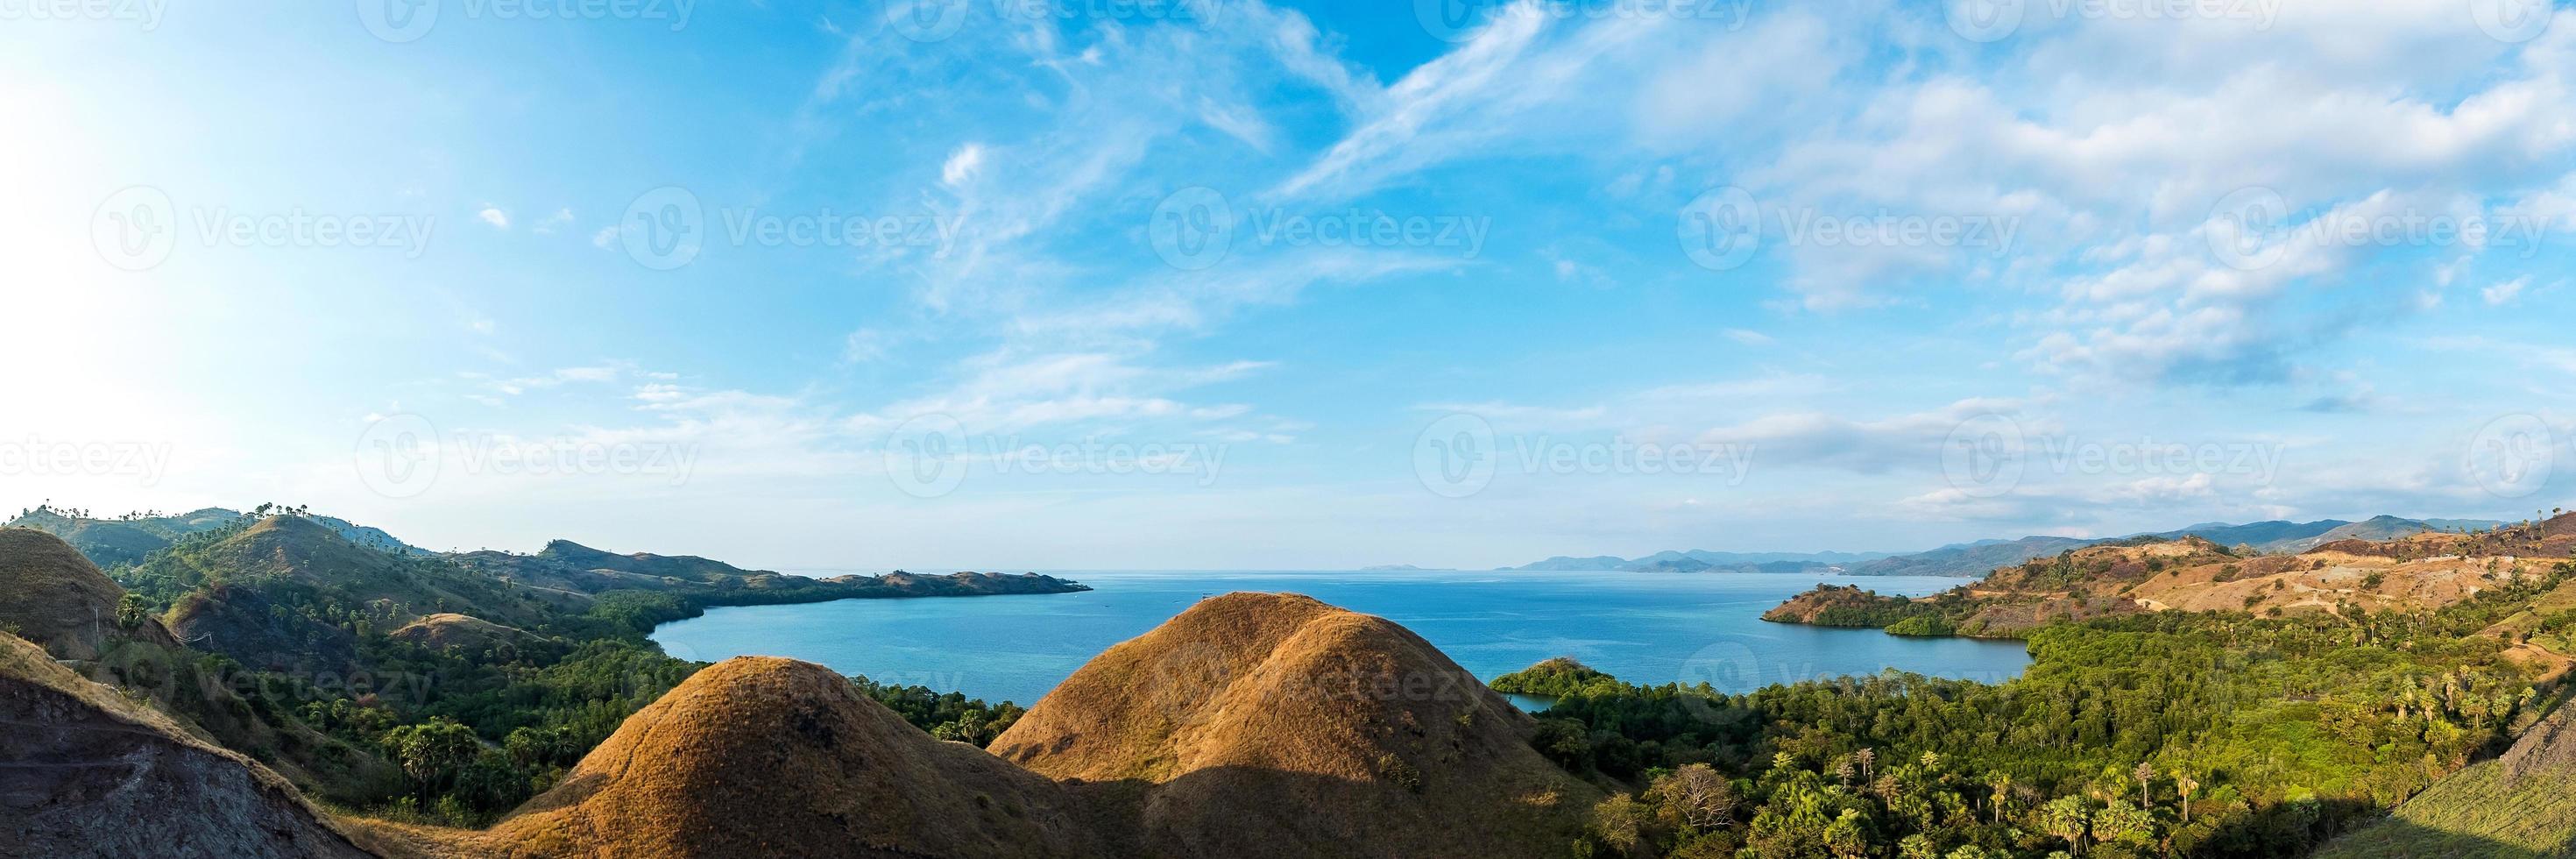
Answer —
2330 578
53 596
1259 725
84 772
461 630
771 757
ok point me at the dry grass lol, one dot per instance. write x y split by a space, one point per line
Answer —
1250 726
459 630
53 596
1276 725
767 757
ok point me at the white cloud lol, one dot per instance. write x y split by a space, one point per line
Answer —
494 216
962 165
2504 293
547 227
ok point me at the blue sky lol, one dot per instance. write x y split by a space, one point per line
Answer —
1092 285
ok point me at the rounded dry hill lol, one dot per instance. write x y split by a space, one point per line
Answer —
52 595
1259 725
84 772
772 757
460 630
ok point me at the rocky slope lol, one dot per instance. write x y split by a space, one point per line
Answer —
85 772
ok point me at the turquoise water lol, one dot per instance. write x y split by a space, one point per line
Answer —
1642 627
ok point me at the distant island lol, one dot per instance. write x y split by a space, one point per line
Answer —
1974 559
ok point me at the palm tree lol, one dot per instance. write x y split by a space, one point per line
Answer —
2185 785
2144 774
2002 783
2068 819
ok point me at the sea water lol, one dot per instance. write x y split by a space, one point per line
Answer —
1641 627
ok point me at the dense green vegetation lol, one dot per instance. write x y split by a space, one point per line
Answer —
2138 735
474 730
948 715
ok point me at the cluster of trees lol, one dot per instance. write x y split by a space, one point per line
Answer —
948 715
2164 734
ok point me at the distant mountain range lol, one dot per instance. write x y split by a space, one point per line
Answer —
1975 559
